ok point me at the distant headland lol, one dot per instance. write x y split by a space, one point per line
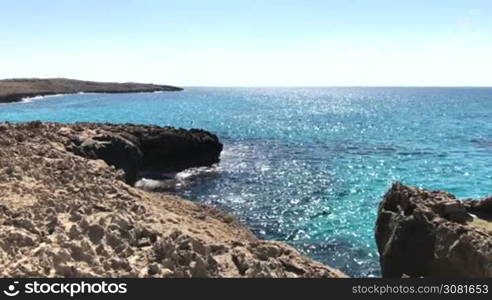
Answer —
13 90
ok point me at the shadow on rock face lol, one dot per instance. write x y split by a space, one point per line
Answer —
114 150
139 149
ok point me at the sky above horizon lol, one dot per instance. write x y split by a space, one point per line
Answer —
250 43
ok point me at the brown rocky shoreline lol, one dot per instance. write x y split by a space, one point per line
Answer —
14 90
68 209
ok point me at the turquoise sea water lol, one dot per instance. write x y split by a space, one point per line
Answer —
309 165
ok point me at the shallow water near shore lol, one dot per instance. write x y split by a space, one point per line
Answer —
309 166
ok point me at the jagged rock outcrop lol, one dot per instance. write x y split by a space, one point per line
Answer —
65 215
138 148
431 233
12 90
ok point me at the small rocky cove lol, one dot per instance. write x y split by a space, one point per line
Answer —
68 208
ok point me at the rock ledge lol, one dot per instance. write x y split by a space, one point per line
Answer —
423 233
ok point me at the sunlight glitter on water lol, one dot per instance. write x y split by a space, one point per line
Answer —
309 165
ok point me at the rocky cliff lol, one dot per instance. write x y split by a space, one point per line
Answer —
12 90
66 209
431 233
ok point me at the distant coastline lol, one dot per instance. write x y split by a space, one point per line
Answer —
15 90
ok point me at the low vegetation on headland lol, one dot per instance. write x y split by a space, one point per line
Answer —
13 90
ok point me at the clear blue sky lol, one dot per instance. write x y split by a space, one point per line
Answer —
250 43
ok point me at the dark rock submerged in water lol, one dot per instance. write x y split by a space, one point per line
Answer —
432 234
67 215
145 149
12 90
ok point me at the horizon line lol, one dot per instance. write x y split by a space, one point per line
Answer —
256 86
335 86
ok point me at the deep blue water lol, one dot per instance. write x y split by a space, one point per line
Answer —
310 165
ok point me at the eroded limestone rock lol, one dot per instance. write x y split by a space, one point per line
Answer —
65 215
